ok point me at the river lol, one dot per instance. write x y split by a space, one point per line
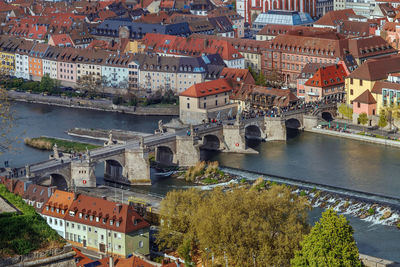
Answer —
310 157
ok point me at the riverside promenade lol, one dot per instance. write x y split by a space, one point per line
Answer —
93 104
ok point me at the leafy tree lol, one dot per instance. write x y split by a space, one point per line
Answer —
247 227
46 83
392 112
330 243
363 119
346 111
261 79
382 123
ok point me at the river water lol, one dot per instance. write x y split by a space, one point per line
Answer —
306 156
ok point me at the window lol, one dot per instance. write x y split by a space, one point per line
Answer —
205 105
188 105
358 104
119 236
361 82
140 244
90 229
79 227
61 223
351 92
216 102
67 224
72 225
373 112
351 80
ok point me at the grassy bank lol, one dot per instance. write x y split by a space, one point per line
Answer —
46 143
26 232
377 136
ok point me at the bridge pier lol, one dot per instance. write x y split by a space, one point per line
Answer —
82 173
187 151
235 140
275 129
137 166
309 122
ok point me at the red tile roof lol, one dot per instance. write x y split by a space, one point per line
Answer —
328 76
85 206
208 88
365 98
238 75
332 18
62 40
191 46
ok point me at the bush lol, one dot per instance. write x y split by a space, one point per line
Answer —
303 193
243 180
212 168
195 171
209 180
371 211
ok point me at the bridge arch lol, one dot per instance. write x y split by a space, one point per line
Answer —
253 131
164 155
293 123
55 179
211 142
113 168
327 115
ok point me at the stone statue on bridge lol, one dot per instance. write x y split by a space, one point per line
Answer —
161 126
55 151
110 140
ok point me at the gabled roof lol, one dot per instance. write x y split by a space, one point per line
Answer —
333 18
239 75
62 40
208 88
377 69
124 217
366 98
379 85
60 200
328 76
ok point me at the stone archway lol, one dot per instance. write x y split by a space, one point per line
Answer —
113 169
54 179
211 142
327 116
164 155
293 123
253 132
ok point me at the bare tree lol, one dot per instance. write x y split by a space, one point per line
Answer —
89 84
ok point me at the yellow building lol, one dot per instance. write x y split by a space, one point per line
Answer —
366 75
134 46
7 62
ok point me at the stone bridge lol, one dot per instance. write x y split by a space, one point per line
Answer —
129 163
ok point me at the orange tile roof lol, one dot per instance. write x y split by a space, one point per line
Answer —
208 88
332 18
61 200
238 75
379 85
377 69
328 76
62 39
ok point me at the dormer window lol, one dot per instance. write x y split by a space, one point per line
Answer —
52 209
111 222
97 219
62 211
80 214
58 210
104 220
91 217
47 208
117 224
71 213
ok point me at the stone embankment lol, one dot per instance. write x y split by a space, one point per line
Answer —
95 104
56 257
357 137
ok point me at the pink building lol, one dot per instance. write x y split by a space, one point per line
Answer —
66 66
365 103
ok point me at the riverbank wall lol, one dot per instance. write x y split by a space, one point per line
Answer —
357 137
95 104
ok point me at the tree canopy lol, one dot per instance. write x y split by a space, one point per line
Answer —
330 243
382 122
245 226
346 111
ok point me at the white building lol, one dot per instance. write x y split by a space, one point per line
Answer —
22 59
50 62
56 209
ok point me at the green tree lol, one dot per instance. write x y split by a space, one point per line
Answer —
261 79
382 123
330 243
46 83
363 119
346 111
246 227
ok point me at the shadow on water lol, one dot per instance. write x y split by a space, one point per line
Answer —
292 133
